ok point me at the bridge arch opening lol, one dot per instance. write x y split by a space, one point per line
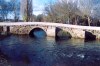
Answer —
37 33
61 34
89 36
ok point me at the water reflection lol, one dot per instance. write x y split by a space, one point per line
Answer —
39 34
27 51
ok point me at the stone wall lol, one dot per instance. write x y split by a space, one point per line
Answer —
75 33
94 32
27 29
50 28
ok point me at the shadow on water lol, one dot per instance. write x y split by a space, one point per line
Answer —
2 37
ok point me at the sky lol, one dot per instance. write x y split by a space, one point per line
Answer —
39 5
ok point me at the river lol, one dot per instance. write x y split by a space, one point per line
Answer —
28 51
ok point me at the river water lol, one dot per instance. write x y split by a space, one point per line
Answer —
28 51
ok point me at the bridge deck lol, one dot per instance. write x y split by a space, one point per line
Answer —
49 24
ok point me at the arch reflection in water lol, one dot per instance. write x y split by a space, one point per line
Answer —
37 33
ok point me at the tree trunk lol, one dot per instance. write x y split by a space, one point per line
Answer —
75 20
89 21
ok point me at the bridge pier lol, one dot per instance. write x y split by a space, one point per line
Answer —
78 33
5 30
51 31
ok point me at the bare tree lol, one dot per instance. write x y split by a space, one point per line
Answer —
26 9
29 10
62 12
85 7
15 8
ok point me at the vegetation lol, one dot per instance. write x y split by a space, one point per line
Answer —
12 7
71 13
39 18
62 12
7 8
28 12
81 12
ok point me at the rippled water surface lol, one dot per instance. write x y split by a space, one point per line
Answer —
27 51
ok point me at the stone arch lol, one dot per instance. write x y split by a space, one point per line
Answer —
63 34
31 33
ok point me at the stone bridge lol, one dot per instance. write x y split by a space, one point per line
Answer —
50 29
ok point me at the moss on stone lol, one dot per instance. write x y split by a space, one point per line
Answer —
64 34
